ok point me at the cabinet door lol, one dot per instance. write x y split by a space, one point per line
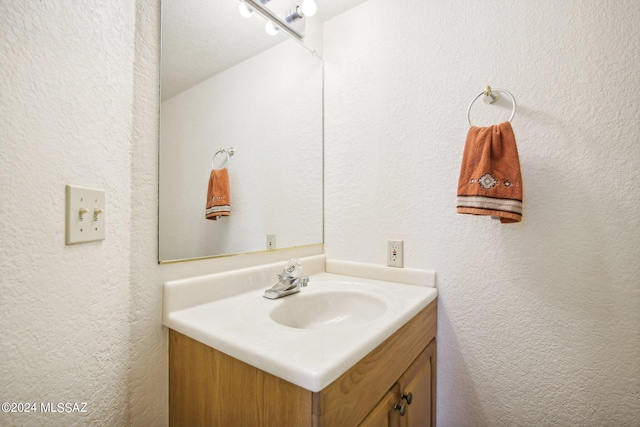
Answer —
417 388
384 414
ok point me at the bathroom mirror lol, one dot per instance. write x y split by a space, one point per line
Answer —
226 83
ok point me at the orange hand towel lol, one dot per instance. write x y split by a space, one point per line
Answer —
490 179
218 199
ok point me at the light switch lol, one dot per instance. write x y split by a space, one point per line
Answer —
85 215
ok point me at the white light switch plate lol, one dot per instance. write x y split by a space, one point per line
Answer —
85 214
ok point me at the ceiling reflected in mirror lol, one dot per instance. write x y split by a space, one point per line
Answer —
201 32
200 36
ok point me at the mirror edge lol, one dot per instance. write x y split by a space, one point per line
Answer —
181 260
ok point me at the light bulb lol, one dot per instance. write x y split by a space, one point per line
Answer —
245 10
309 7
271 28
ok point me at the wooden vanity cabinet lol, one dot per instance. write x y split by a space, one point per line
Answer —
418 390
411 401
385 413
210 388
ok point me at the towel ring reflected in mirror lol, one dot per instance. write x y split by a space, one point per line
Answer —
228 151
491 96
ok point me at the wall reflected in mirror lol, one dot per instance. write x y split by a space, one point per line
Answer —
226 83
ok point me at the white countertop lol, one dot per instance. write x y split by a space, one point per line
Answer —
240 325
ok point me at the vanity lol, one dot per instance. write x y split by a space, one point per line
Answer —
356 347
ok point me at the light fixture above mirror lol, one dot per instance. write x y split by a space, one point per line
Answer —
286 14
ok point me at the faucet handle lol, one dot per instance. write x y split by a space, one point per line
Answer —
292 269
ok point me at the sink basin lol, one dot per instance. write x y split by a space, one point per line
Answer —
309 338
312 310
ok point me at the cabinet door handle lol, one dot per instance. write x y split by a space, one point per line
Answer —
402 408
408 397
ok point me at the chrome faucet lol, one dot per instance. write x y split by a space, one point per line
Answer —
289 282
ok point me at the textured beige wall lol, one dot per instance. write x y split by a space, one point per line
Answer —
538 321
66 73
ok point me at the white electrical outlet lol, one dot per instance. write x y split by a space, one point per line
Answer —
395 253
271 241
85 219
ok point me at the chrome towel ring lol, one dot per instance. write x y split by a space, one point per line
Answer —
491 96
228 151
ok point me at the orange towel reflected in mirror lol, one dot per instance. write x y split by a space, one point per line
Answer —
218 197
